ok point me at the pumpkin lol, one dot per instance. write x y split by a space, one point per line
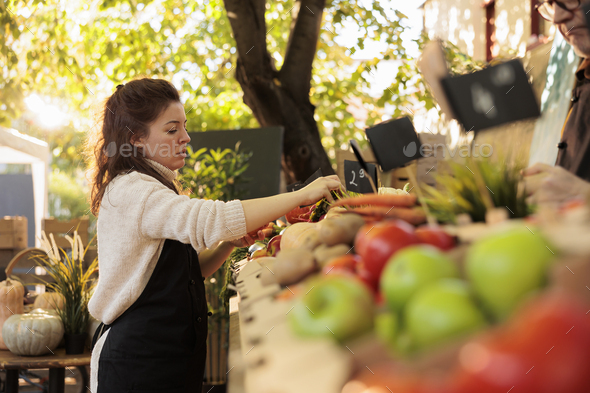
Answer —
12 293
34 334
50 301
301 235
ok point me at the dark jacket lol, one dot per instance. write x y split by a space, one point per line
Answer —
574 147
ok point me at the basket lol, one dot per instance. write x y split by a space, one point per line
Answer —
28 274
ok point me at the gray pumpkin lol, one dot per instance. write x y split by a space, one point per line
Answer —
34 334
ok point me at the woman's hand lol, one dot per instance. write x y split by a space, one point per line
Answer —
245 241
260 211
319 189
553 184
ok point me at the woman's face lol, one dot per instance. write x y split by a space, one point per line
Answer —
167 140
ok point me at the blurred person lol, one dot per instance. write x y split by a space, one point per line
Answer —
155 245
570 178
554 184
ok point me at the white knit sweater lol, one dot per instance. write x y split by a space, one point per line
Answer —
137 214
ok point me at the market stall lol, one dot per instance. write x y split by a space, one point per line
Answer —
368 299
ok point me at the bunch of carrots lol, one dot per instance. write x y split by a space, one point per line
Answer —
374 207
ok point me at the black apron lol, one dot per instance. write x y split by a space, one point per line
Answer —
574 146
159 343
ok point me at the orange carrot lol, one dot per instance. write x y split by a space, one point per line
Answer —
390 200
413 216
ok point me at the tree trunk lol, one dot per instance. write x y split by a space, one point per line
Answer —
281 98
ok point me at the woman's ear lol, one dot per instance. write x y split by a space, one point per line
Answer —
136 142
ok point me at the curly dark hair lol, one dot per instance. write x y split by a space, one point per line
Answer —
126 117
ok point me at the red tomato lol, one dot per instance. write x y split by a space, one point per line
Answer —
375 243
299 214
352 265
346 262
435 236
545 348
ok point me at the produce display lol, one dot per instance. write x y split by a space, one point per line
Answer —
422 308
337 306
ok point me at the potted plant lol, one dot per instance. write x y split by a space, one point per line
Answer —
74 283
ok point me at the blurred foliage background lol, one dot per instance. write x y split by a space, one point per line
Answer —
73 54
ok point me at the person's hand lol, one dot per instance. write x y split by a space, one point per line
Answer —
318 189
552 184
245 241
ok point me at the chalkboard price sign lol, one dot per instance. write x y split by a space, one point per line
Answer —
357 179
297 186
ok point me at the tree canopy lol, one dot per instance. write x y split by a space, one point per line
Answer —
77 52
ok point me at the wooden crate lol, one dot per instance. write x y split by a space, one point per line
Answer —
60 229
13 233
401 176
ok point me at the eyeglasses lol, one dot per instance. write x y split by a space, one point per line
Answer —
547 8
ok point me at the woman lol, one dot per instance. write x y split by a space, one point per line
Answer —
155 246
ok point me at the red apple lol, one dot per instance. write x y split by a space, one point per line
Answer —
376 243
435 236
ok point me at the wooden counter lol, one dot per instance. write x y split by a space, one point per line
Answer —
265 356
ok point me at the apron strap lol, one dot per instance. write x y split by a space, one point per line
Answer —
100 330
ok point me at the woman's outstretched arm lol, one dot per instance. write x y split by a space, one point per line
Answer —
262 210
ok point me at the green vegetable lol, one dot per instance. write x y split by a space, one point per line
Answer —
461 194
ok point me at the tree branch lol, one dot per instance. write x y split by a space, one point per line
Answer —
295 75
248 24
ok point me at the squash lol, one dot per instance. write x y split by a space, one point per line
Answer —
44 311
300 235
335 211
12 295
324 253
50 301
34 334
289 267
12 292
340 230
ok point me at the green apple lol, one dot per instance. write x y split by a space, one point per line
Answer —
334 306
506 267
441 311
411 269
386 328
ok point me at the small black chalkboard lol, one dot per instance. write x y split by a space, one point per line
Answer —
586 10
394 143
297 186
357 178
491 97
